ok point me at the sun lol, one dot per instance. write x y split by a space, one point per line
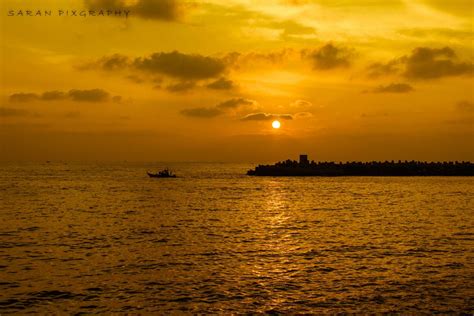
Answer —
276 124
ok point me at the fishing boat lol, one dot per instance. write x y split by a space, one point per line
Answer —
162 174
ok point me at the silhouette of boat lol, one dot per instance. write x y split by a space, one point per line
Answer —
165 173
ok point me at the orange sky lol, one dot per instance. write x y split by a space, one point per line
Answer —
203 80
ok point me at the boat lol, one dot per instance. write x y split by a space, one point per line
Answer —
165 173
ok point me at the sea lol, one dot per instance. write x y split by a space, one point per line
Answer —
104 238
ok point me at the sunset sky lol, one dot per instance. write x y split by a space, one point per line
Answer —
203 80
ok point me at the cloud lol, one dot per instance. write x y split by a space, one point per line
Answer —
465 106
181 86
303 115
325 57
329 57
167 10
221 84
431 63
301 105
266 117
376 70
219 109
135 79
23 97
291 28
235 103
210 71
202 112
170 10
393 88
181 66
117 98
175 71
250 18
93 95
424 63
238 103
251 58
114 62
11 112
53 95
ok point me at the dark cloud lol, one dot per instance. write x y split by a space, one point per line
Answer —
202 112
266 117
182 66
117 98
181 86
465 106
158 83
7 112
431 63
53 95
114 62
329 57
23 97
393 88
376 70
218 109
424 63
184 71
235 103
237 59
221 84
168 10
93 95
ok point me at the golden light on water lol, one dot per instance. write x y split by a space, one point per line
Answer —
276 124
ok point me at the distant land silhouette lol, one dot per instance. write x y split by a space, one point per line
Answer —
304 167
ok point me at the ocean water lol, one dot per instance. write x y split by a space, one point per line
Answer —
105 238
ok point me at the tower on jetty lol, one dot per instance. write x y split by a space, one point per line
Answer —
304 159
